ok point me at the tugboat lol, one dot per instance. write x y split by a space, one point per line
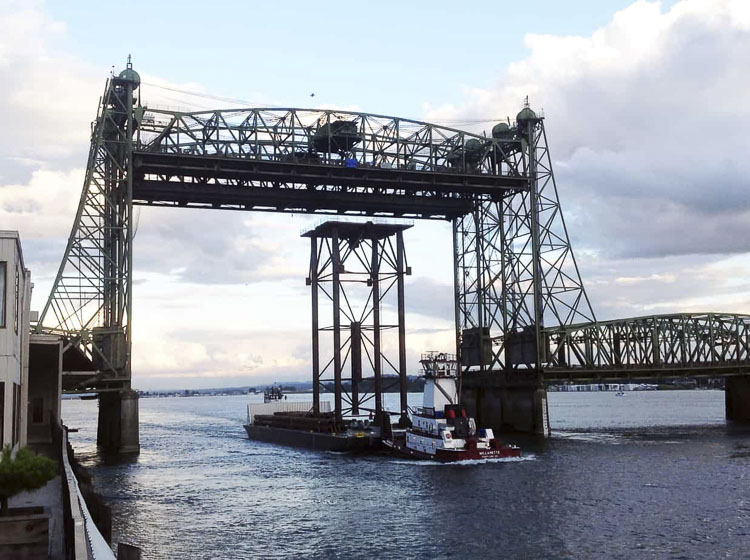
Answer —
440 430
273 394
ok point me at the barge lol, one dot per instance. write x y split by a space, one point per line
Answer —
293 423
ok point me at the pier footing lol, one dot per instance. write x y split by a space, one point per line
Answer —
737 399
506 403
117 430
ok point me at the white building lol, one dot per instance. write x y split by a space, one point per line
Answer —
15 298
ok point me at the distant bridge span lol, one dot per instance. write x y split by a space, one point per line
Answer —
650 347
521 309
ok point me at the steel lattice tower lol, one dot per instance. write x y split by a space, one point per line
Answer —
91 298
514 265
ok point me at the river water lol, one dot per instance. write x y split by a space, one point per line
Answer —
649 475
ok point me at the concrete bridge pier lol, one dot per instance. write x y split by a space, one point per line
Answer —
506 402
117 429
737 399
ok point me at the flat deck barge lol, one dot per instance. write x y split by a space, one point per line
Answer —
293 423
314 440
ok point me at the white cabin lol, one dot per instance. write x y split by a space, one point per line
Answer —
438 392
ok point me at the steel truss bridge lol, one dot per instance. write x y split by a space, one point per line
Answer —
520 304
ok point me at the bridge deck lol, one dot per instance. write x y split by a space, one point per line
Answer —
606 375
170 179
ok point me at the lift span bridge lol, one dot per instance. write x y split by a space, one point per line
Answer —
521 312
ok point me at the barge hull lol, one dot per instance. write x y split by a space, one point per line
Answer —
313 440
444 456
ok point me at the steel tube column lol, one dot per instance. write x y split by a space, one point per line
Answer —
377 361
128 209
401 324
534 211
479 252
457 304
315 326
355 345
336 288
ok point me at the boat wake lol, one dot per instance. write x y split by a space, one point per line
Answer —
467 462
597 437
617 439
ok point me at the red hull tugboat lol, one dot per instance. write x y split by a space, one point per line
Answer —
441 430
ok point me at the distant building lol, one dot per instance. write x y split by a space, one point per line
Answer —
15 298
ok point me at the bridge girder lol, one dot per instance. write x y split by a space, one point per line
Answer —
288 186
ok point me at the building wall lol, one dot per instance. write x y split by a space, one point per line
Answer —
25 354
15 291
44 387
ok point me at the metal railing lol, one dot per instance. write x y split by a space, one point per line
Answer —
85 540
76 528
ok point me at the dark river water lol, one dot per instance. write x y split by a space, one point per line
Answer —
648 475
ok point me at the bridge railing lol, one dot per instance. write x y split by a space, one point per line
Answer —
710 341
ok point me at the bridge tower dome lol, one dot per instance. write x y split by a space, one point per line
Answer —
130 75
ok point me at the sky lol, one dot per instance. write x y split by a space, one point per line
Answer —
646 111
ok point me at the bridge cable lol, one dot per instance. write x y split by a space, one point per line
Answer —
207 95
246 103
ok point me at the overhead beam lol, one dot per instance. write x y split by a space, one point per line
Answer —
259 199
168 179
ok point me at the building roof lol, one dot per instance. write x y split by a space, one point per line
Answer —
12 234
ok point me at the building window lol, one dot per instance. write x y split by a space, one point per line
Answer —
3 270
37 411
17 315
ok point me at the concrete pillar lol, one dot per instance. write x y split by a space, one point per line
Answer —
117 429
128 552
504 404
737 399
130 442
108 424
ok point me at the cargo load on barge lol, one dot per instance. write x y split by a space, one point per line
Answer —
293 423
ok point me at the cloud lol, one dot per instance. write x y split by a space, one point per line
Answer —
627 287
191 331
431 298
46 94
210 247
626 280
646 120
